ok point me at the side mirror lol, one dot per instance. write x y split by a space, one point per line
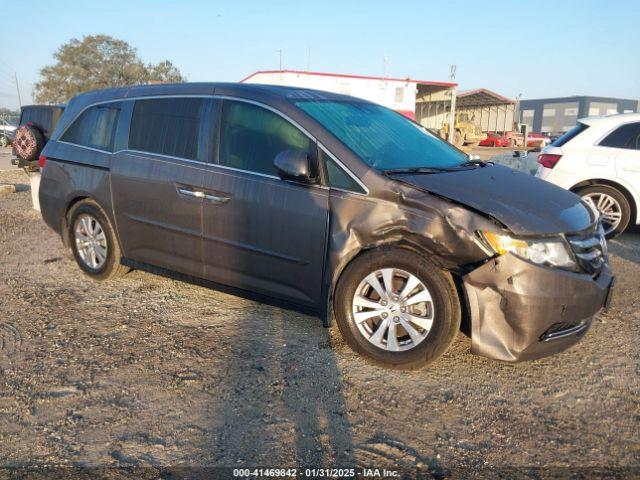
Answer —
293 165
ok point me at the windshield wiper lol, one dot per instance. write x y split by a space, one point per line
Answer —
475 163
396 171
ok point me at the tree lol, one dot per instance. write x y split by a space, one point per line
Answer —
97 61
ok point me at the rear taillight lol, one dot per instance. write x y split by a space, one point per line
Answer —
42 160
548 160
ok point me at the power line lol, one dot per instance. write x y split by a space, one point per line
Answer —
15 75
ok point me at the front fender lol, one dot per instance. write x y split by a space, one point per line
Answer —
442 231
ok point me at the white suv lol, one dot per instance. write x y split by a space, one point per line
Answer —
599 159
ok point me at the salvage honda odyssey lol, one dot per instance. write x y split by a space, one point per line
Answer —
330 203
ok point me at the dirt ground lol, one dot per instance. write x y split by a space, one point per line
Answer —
152 373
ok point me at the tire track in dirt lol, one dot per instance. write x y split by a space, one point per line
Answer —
384 452
10 338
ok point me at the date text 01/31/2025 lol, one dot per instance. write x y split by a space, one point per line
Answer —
314 473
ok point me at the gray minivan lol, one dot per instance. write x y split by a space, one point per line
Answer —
330 203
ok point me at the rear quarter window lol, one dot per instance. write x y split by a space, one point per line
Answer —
95 127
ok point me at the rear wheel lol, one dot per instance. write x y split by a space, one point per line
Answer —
612 205
396 308
93 242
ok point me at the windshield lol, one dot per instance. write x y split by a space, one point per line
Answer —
384 139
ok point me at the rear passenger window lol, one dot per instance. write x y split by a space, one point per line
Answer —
95 128
625 136
252 136
167 126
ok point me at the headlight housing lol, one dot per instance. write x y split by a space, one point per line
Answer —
553 252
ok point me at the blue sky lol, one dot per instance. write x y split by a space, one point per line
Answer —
537 48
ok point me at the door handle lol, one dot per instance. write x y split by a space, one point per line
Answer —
191 193
215 198
206 196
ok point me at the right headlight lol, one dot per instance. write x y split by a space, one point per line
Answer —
544 251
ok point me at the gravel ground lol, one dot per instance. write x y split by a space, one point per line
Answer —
150 372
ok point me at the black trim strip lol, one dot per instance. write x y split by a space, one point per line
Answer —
79 164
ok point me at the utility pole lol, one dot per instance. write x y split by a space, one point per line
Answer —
15 76
452 116
516 113
280 54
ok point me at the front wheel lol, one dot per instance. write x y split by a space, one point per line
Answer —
612 205
94 244
396 308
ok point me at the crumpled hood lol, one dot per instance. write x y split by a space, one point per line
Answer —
522 202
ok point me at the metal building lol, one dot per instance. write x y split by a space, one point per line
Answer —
491 111
558 115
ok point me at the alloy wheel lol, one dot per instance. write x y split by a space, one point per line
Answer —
609 208
91 241
393 309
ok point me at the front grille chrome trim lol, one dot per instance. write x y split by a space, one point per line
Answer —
555 335
587 243
589 256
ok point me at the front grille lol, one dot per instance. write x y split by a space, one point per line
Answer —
590 249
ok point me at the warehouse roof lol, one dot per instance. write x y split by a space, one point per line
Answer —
481 97
364 77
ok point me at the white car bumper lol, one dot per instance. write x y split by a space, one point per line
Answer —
557 177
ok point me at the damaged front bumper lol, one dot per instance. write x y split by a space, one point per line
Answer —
521 311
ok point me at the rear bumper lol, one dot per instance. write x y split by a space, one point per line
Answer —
520 311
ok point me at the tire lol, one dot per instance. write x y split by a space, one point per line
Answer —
87 212
457 139
444 309
28 142
614 205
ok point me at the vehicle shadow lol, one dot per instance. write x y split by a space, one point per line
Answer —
627 245
283 403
